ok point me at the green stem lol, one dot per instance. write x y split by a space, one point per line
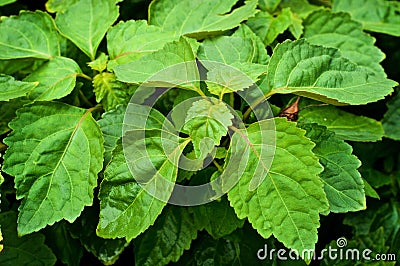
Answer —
219 167
256 103
84 99
84 76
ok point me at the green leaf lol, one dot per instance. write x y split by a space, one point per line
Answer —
290 196
346 126
242 47
337 30
323 74
27 250
29 35
375 15
199 18
242 56
223 78
84 229
300 10
268 27
178 52
111 126
126 207
54 6
100 64
206 123
11 88
129 41
391 120
68 250
6 2
217 218
167 239
109 91
86 22
343 184
50 183
56 78
7 112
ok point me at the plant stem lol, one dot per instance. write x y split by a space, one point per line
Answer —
84 76
84 99
256 103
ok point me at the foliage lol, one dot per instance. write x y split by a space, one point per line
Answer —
96 119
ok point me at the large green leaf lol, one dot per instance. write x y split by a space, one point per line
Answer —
339 31
290 197
347 126
47 141
128 41
11 88
111 126
167 239
56 78
27 250
177 52
29 35
242 57
375 15
109 91
127 208
323 74
86 22
206 122
391 120
199 18
268 27
343 184
217 218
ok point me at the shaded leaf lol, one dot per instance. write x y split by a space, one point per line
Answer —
56 78
343 184
199 18
391 120
375 15
217 218
323 74
268 5
290 196
6 2
84 230
86 22
29 35
25 250
50 183
268 27
167 239
346 126
68 250
11 88
339 31
7 112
